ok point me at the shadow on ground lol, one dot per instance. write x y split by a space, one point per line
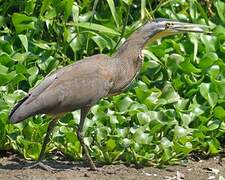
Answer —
14 167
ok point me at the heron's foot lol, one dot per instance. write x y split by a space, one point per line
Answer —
220 158
39 164
93 167
88 159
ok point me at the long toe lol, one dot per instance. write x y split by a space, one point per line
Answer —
42 166
93 168
220 159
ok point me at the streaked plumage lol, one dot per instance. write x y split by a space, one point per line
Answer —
84 83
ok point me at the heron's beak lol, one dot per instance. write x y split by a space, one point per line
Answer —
188 27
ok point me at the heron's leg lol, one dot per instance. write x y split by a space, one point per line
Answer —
221 156
83 114
50 128
39 163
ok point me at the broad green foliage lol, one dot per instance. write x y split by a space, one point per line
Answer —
175 107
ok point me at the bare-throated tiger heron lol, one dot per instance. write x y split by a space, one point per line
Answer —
83 83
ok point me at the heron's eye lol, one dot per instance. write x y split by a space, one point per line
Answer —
167 25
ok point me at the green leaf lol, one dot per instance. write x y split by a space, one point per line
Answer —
143 6
194 38
20 57
166 155
68 8
5 78
113 11
24 41
202 11
220 7
214 71
212 147
212 126
219 88
20 68
41 44
4 58
31 150
3 69
100 41
30 5
185 149
97 27
45 6
173 61
143 118
166 143
208 60
6 47
211 97
169 94
75 13
110 145
209 42
113 120
219 112
141 137
128 2
180 132
33 70
186 119
204 90
142 94
126 142
2 21
23 22
125 103
187 67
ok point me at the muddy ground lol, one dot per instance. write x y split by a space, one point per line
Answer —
12 167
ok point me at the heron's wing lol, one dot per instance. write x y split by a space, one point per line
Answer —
14 116
49 80
47 96
65 73
80 85
34 93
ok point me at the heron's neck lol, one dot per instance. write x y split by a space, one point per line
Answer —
132 47
128 59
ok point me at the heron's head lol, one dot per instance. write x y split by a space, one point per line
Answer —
166 27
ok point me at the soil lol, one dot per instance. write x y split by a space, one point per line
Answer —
12 168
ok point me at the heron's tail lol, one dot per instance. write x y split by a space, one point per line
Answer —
15 117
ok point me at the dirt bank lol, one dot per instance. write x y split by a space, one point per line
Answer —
11 168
